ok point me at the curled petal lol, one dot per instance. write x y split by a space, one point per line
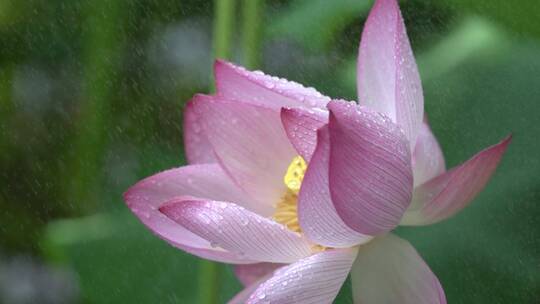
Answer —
236 83
316 213
427 157
238 230
301 126
370 169
448 193
387 76
251 145
315 279
389 270
204 180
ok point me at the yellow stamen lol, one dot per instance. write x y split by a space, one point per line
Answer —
295 174
286 208
286 211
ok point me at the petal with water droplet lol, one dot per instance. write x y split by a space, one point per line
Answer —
427 157
389 270
254 151
387 76
261 240
370 172
203 180
198 148
448 193
250 273
315 279
316 213
301 126
236 83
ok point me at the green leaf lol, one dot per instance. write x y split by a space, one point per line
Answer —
519 16
118 260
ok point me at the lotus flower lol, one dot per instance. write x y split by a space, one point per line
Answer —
299 190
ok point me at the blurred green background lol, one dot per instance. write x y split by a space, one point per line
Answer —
91 98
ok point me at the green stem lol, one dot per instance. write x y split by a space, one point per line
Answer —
223 24
209 282
251 28
6 106
100 55
210 272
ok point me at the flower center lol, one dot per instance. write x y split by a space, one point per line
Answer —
286 208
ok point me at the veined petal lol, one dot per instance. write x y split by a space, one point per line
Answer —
448 193
370 169
198 147
237 83
238 230
301 126
387 76
251 146
315 279
203 180
316 213
427 158
389 270
247 274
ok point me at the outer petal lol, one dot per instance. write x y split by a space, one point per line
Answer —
387 76
316 213
251 145
389 270
427 158
238 230
315 279
236 83
205 180
250 273
198 148
448 193
370 169
301 126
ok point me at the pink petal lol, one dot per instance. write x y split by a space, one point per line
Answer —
389 270
448 193
427 158
250 273
205 180
316 213
301 126
387 76
238 230
198 148
315 279
237 83
370 168
251 145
